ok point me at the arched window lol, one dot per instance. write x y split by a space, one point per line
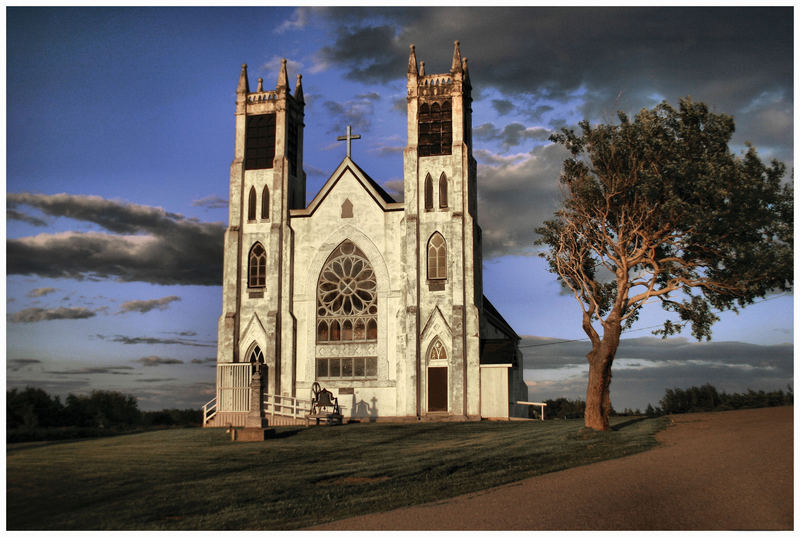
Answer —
437 257
347 313
257 266
437 351
347 294
428 192
265 203
256 357
443 191
251 204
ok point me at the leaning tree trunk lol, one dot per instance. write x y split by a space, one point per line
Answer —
598 399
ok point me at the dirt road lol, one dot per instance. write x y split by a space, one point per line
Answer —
715 471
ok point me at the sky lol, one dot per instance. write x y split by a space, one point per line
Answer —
119 139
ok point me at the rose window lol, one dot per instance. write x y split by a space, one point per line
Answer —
347 302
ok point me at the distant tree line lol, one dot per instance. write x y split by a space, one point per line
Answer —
33 414
704 398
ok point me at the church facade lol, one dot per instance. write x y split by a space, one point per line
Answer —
378 301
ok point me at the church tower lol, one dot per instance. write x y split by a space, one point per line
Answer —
443 251
266 181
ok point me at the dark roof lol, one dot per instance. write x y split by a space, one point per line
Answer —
494 317
385 195
498 351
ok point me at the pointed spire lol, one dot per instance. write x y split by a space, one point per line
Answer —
243 87
283 78
412 62
421 68
464 67
298 89
456 58
260 87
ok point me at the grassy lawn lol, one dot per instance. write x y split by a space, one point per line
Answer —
192 479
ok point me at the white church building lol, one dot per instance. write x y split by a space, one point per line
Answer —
378 301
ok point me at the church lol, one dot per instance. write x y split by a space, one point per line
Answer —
378 301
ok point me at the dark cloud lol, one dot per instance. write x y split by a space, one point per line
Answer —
34 315
53 386
512 134
613 57
186 333
143 306
395 188
357 112
312 171
211 202
515 195
148 244
41 291
371 96
388 150
108 370
370 52
400 104
13 214
502 106
205 361
16 364
153 361
125 340
156 380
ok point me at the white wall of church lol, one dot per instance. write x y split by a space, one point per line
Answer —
374 232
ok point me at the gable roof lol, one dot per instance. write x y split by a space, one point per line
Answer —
381 197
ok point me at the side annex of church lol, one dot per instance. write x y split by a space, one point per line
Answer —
378 301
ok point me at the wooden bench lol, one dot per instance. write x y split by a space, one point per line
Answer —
540 405
324 407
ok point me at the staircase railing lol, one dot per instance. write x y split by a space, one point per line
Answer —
209 411
282 405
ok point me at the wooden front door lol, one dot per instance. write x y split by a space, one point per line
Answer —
437 389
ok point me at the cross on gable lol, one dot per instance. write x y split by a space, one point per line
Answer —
349 137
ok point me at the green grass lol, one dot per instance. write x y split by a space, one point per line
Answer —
198 479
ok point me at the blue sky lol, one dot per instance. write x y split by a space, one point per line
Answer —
119 128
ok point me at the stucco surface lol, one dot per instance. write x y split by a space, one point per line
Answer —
712 471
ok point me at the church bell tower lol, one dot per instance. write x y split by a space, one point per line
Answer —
443 251
266 181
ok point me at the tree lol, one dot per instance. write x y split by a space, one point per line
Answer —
658 209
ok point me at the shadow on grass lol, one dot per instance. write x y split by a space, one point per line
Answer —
628 423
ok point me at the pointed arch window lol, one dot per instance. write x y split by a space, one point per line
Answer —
265 203
437 257
251 204
437 351
257 266
443 191
428 193
347 297
256 358
347 313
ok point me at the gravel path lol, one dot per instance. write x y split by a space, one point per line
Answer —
713 471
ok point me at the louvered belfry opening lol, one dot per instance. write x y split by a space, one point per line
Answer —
259 150
435 128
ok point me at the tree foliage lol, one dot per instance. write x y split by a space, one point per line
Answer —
33 414
657 209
